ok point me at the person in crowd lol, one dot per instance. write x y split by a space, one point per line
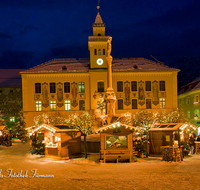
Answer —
193 134
183 146
191 142
198 138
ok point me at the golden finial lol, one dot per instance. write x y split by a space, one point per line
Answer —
98 7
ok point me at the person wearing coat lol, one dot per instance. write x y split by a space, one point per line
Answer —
191 142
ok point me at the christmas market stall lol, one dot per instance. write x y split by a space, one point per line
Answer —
116 142
168 136
56 141
3 129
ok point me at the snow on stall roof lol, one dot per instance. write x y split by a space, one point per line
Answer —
83 65
10 78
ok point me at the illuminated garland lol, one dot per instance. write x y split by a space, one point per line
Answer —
44 126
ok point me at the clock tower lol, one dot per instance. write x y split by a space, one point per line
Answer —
98 44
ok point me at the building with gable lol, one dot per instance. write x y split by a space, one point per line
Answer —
75 85
189 101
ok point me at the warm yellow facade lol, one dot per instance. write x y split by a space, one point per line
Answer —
68 85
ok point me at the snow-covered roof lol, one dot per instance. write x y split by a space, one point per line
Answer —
194 85
83 66
2 128
171 126
49 127
114 125
10 78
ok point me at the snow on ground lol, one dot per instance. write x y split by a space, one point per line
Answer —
146 173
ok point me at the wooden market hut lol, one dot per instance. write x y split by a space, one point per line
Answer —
116 142
60 141
3 129
167 134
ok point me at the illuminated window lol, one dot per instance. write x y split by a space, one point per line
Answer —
67 105
196 113
66 87
134 103
81 87
81 104
38 106
100 86
119 86
12 119
37 87
162 85
53 105
120 104
52 87
148 85
95 51
188 114
133 85
104 52
188 100
99 51
162 103
148 103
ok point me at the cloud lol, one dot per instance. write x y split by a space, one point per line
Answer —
2 35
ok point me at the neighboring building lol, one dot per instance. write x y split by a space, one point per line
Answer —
189 101
10 95
75 85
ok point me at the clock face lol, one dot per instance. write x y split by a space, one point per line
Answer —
99 61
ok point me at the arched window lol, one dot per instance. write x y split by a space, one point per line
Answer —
99 51
104 52
99 34
95 51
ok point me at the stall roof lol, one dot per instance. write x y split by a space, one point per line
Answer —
3 128
113 125
171 126
50 128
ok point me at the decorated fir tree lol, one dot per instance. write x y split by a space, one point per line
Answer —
2 121
21 132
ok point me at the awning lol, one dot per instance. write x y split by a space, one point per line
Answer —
172 126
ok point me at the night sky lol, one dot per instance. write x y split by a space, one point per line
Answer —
35 31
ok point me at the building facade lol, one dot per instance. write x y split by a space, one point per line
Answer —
189 101
67 86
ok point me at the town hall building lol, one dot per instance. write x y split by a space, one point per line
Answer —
74 85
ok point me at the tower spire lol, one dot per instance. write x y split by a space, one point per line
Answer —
98 7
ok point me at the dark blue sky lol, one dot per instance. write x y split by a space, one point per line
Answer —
35 31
